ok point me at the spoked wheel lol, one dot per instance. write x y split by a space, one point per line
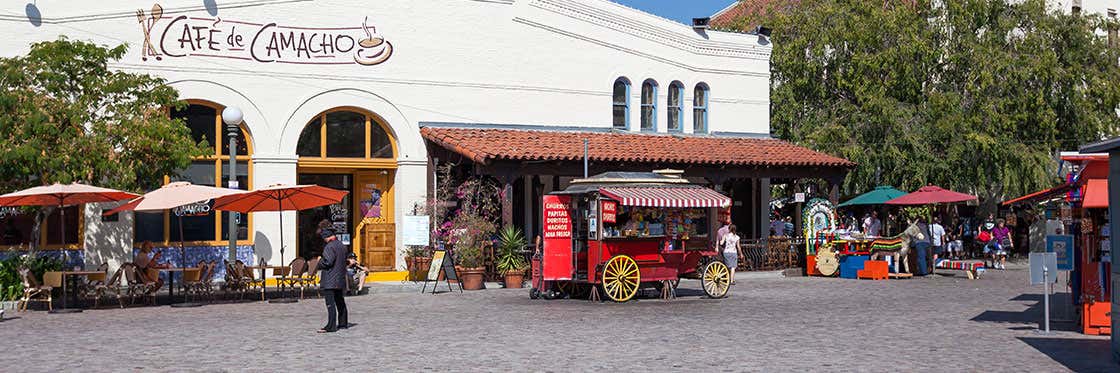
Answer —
621 278
716 279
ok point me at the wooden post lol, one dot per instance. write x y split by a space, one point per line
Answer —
507 200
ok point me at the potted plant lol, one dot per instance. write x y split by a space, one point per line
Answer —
511 262
418 262
470 267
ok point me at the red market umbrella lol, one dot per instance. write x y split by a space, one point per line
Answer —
281 198
931 194
63 195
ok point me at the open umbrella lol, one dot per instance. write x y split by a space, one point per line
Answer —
172 196
878 196
281 198
62 195
931 194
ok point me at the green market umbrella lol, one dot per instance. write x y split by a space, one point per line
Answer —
880 195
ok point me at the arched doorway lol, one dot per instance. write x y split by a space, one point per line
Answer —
350 149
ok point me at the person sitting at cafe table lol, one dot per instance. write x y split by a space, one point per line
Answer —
147 262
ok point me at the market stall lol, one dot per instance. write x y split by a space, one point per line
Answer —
618 232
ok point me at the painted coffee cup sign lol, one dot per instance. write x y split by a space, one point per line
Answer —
182 36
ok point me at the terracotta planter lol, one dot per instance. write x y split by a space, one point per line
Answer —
418 268
514 279
472 278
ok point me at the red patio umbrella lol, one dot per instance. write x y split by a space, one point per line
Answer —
62 195
931 194
281 198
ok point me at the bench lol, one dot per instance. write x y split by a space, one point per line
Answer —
970 268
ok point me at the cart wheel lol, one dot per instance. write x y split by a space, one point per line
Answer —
621 278
534 293
716 279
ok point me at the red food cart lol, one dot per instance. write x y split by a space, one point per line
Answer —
618 232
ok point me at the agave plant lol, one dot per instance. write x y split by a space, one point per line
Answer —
510 242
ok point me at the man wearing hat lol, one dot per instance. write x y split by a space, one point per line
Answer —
333 281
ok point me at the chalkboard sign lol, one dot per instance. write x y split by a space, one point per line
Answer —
444 263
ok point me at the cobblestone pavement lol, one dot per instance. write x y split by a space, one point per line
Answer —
941 323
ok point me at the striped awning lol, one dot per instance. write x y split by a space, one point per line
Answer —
667 196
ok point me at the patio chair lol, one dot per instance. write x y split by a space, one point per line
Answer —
206 285
290 277
113 286
191 279
251 282
86 288
137 286
234 281
33 291
310 278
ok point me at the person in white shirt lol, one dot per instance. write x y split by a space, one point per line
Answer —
730 247
937 238
872 225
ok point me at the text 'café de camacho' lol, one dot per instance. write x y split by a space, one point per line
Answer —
372 97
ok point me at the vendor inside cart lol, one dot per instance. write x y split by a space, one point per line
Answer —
680 223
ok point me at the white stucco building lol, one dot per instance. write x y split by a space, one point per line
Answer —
337 93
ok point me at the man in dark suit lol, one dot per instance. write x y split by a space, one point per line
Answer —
333 281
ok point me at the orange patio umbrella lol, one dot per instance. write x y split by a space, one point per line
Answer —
281 197
62 195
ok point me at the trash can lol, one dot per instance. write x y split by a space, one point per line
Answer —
921 252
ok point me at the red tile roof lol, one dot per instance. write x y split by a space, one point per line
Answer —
752 10
483 145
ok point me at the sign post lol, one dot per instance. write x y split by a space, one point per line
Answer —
1043 272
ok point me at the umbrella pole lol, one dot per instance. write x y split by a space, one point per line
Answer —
280 210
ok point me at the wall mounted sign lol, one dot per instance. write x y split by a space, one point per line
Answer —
187 36
610 211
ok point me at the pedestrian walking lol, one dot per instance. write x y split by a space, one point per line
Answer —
936 238
778 226
999 245
730 245
333 281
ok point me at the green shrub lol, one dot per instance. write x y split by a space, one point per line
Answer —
510 242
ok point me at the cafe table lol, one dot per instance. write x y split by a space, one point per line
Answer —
65 274
264 278
171 285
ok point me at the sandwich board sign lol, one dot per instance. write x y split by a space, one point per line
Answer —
441 262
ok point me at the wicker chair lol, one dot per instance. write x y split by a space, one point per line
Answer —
290 277
33 291
113 286
191 280
206 285
137 286
86 288
234 281
310 279
251 282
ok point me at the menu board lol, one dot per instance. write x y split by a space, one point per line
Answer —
415 230
557 237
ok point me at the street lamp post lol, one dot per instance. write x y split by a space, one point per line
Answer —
232 117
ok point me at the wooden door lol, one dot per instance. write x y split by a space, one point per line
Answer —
373 207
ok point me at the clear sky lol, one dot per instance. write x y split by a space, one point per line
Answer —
682 11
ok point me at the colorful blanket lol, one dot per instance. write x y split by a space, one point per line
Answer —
886 244
961 265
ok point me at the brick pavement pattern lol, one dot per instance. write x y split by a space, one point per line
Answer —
940 323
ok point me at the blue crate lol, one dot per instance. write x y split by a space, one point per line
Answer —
850 264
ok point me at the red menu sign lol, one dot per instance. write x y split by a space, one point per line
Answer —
557 238
610 211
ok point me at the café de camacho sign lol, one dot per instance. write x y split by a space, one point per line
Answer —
183 36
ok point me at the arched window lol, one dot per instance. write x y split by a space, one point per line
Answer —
674 100
345 133
700 109
212 169
649 105
621 100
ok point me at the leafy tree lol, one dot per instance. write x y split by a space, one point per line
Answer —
972 95
65 116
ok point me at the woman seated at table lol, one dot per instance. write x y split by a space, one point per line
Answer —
147 263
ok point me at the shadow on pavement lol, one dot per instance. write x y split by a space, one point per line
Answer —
1079 355
1031 315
